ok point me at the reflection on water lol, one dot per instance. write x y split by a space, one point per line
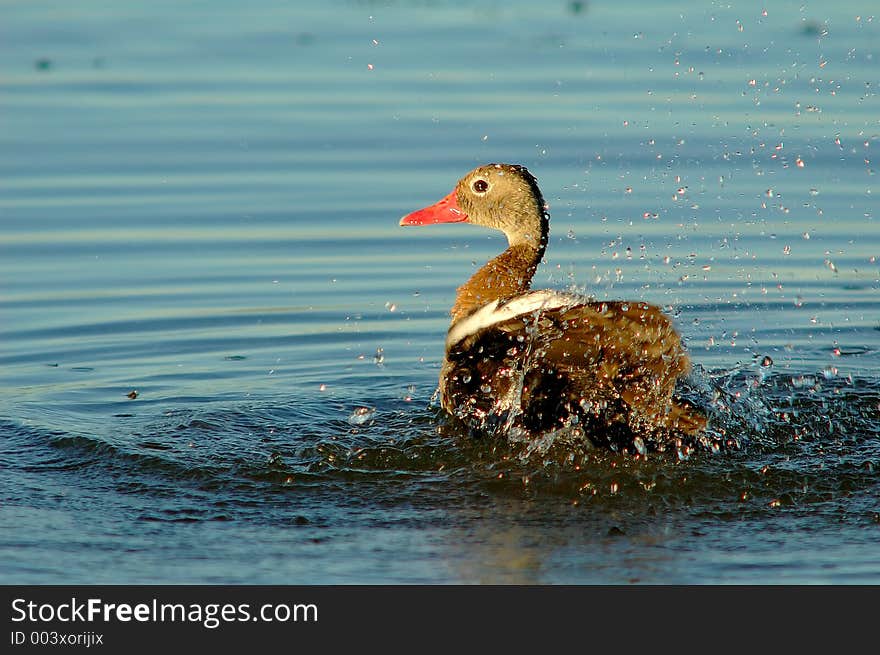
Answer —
218 349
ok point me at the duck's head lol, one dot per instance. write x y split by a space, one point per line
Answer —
500 196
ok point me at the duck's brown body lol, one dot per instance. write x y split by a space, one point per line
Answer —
544 360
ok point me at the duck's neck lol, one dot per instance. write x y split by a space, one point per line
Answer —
509 274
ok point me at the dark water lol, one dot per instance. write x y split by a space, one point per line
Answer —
199 204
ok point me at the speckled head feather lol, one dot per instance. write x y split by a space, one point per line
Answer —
506 197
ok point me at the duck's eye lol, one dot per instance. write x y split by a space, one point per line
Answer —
480 186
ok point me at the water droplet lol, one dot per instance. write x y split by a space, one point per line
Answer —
361 415
485 388
830 264
803 381
390 306
379 357
639 445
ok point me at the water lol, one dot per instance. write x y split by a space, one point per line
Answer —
219 349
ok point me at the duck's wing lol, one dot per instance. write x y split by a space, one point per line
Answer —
629 348
599 355
614 341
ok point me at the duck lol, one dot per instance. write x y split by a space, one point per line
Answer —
538 362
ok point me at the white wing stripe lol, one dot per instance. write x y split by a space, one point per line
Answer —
490 313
